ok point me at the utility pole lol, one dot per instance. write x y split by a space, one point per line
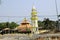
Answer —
58 28
0 2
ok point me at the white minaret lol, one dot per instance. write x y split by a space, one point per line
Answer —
34 20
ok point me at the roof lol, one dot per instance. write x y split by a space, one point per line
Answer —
25 24
25 21
6 29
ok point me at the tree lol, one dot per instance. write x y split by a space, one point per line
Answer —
2 25
40 24
48 24
13 25
8 25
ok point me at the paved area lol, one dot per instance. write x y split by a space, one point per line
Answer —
25 36
15 37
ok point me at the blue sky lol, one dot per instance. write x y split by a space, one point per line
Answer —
24 7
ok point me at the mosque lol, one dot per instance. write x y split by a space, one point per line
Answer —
33 26
26 26
34 22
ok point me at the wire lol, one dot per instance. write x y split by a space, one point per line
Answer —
30 16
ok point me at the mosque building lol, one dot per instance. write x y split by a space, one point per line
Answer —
24 26
34 22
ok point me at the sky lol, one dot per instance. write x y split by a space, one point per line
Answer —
23 8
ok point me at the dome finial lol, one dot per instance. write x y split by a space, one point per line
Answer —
33 7
25 18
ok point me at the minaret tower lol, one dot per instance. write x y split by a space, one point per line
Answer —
34 20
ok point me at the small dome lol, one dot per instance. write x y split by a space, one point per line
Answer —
24 25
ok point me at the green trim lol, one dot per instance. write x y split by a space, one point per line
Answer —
33 27
34 18
34 13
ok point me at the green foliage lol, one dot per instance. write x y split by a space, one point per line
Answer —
8 25
2 25
47 24
13 25
40 23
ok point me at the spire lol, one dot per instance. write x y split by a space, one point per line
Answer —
24 21
33 7
24 18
